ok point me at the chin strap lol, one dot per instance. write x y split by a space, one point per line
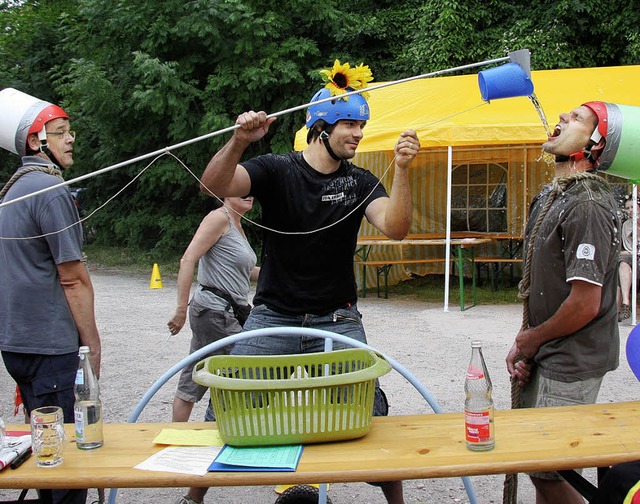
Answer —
324 136
584 154
45 150
44 146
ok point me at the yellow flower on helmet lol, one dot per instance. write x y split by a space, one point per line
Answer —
342 78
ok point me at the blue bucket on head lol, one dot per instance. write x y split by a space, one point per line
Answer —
505 81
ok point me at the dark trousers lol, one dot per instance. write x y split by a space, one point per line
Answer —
616 483
47 380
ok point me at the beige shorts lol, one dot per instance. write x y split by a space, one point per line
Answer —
542 392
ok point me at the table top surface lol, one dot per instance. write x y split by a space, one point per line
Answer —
454 236
470 242
396 448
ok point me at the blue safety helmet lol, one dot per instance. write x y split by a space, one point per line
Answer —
353 107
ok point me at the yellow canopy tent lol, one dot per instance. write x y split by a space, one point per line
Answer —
473 150
449 111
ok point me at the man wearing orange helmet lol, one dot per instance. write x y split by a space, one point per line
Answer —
46 295
571 251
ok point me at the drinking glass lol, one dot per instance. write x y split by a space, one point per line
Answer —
47 435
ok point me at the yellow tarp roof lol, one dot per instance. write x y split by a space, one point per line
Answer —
450 111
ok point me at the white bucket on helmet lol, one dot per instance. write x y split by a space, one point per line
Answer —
18 111
621 154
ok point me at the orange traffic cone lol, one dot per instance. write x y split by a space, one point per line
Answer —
156 279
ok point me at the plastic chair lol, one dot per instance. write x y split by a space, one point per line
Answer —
329 338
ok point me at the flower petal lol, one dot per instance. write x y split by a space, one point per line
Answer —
341 77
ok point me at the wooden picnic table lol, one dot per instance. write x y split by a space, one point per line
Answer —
396 448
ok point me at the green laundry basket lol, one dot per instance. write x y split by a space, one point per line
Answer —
291 399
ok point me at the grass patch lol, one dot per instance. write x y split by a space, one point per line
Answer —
130 260
430 288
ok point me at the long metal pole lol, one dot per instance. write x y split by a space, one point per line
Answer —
236 126
634 256
447 248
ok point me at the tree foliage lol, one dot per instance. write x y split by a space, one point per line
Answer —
137 76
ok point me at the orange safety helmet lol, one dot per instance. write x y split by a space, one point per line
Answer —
600 109
49 113
600 132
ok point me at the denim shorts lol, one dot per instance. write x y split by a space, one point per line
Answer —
346 321
207 326
541 392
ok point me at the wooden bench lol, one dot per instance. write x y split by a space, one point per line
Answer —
496 265
383 267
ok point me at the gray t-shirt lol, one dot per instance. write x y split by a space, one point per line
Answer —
227 265
34 314
577 240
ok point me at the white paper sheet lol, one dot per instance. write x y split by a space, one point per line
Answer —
181 459
14 447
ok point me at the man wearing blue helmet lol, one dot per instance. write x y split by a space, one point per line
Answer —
312 204
323 115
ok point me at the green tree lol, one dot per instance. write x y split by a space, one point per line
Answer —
30 46
138 76
562 34
173 73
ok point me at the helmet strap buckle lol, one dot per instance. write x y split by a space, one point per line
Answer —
42 136
324 136
596 136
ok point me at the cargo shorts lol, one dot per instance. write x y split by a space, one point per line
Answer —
542 392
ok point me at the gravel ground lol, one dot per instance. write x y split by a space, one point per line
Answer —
433 344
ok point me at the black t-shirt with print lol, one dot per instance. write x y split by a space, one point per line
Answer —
306 270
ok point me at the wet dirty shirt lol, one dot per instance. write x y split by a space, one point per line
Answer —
577 240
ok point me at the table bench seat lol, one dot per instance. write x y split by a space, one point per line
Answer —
462 253
495 266
414 447
383 266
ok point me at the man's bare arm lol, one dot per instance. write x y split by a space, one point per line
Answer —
78 290
224 176
392 216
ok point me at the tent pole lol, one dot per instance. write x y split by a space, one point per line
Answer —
447 248
634 257
525 175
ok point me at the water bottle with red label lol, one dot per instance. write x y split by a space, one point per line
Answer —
478 405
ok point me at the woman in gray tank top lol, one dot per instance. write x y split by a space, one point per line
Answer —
226 264
226 268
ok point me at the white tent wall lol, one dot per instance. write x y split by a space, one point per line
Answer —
526 172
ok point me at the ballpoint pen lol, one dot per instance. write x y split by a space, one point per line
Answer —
18 461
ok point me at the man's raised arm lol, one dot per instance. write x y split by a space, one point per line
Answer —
223 175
